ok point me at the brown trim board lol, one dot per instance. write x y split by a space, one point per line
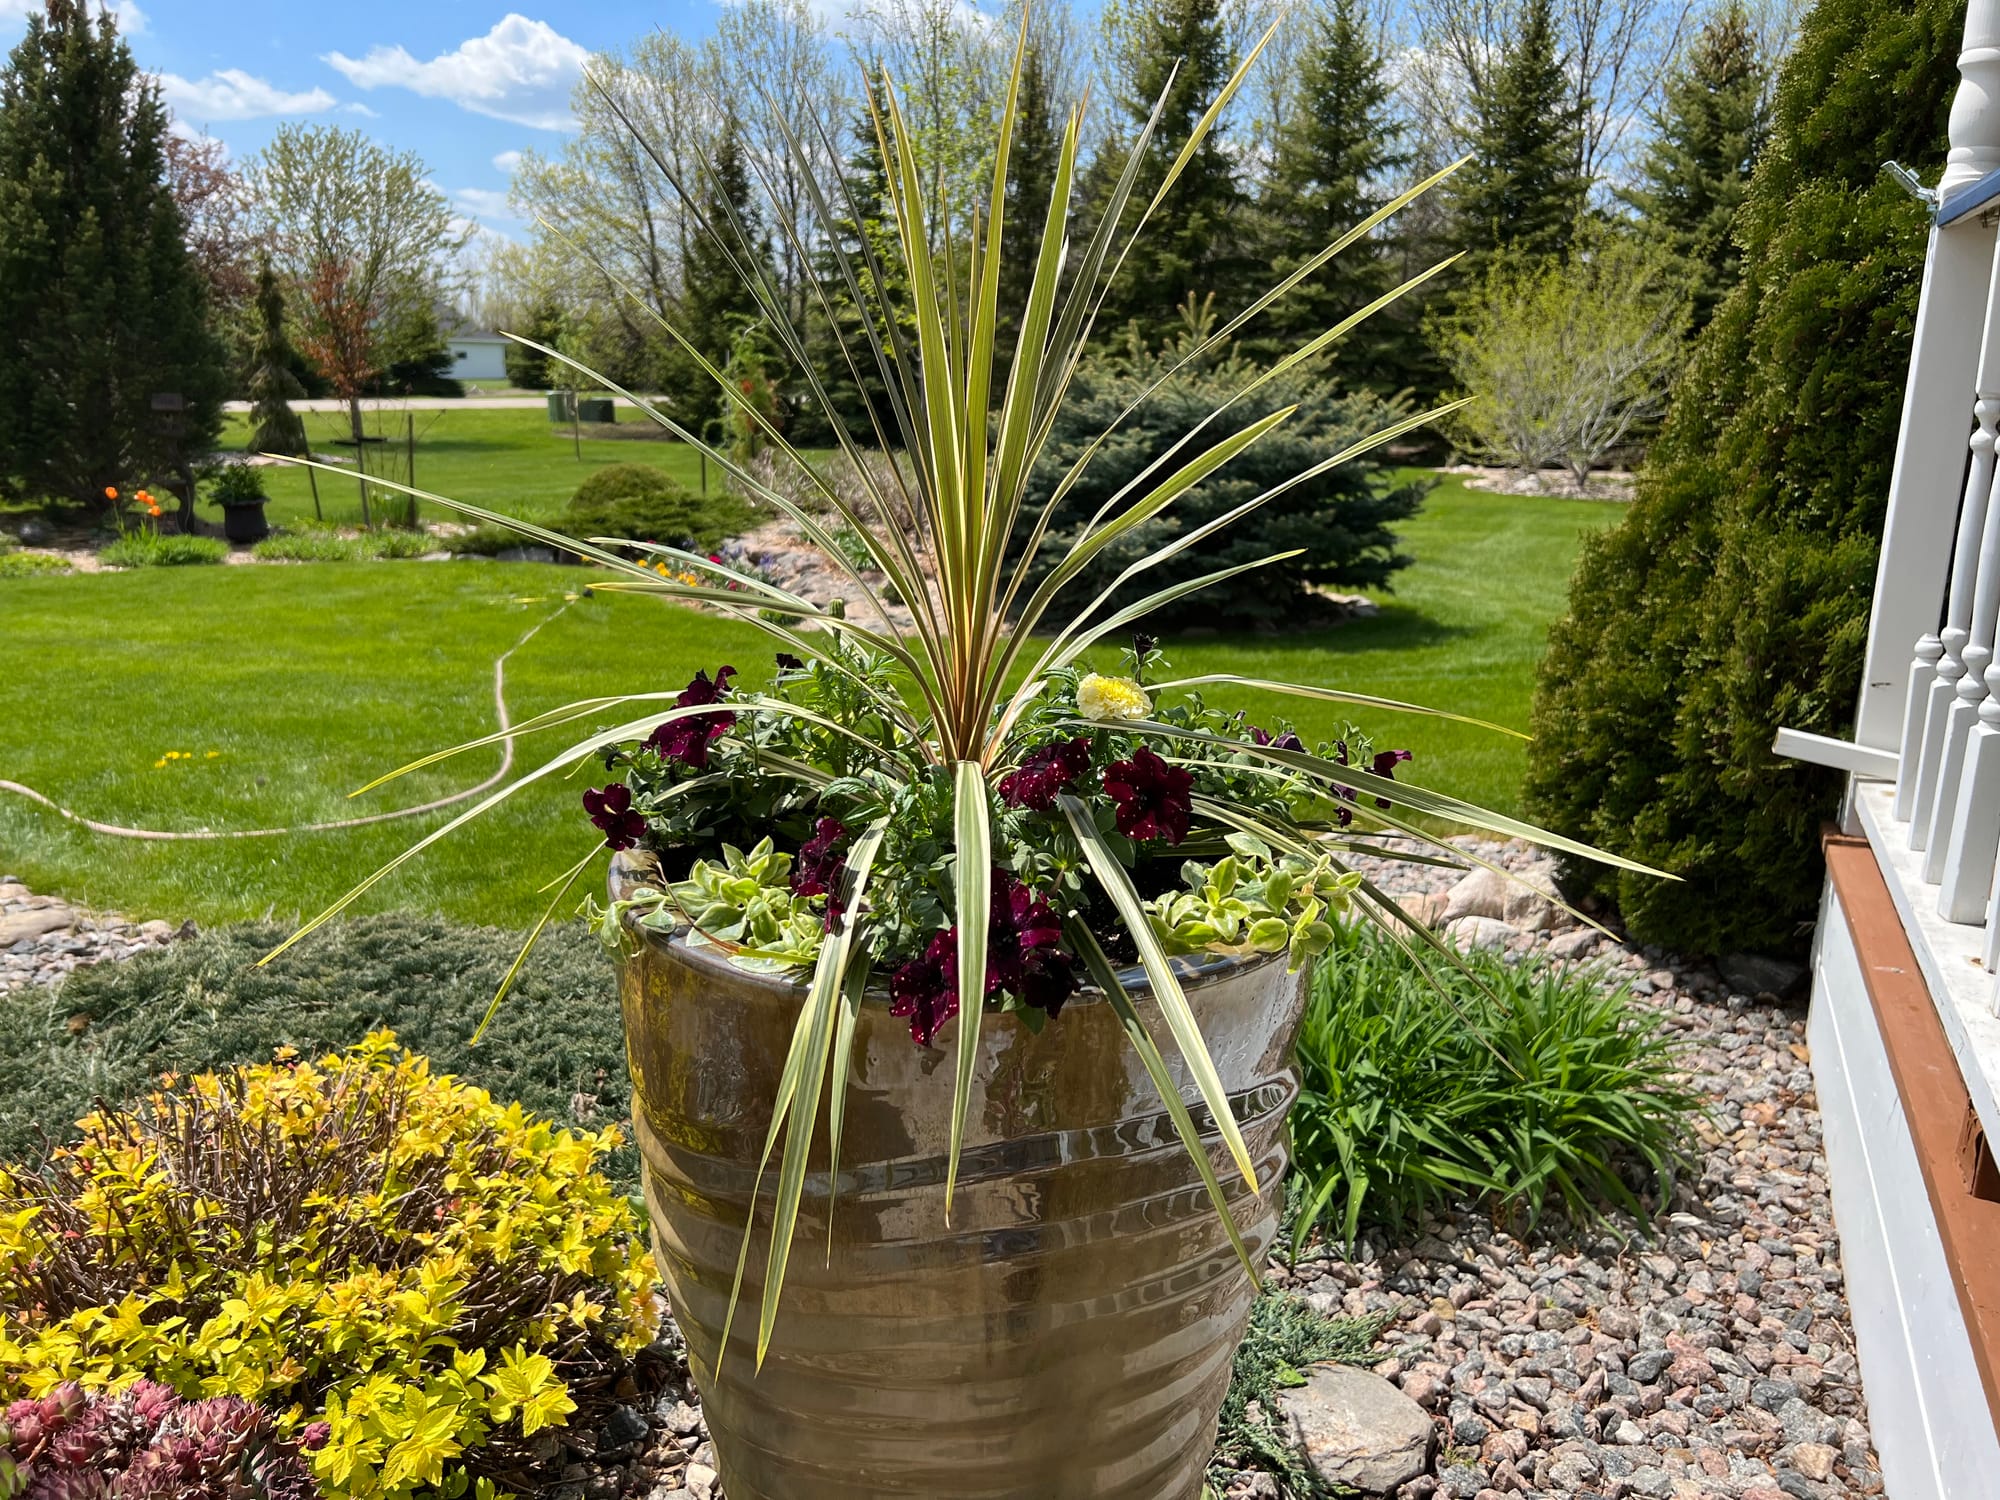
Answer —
1933 1093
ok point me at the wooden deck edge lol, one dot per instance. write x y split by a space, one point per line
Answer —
1950 1146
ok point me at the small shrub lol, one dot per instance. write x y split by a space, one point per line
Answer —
309 546
236 484
557 1047
30 564
146 549
638 503
362 1241
147 1443
484 541
1518 1084
400 544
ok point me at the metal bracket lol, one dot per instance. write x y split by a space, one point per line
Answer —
1911 184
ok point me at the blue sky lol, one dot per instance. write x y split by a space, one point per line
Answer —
459 82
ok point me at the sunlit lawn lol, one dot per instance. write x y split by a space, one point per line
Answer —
306 681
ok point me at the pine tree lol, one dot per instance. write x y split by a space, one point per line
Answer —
528 369
1523 191
1734 596
716 302
1031 180
101 305
1195 244
1334 161
868 227
1707 134
274 426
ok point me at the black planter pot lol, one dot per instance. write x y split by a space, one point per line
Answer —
244 521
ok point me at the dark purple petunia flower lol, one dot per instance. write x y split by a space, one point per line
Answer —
926 988
789 663
1285 741
1385 765
817 870
1152 796
1045 773
1024 958
687 740
611 810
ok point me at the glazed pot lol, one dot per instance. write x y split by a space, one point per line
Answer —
1067 1336
243 521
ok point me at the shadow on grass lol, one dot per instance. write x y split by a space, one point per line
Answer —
1399 627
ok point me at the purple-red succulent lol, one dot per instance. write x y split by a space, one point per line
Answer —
687 740
610 808
1046 773
1152 797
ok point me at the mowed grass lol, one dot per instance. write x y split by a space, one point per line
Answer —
514 461
308 681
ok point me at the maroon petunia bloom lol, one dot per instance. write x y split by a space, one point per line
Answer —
789 663
1385 765
687 740
1024 958
1046 773
926 989
1285 741
817 870
611 810
1152 796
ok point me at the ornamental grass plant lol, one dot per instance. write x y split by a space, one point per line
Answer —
958 817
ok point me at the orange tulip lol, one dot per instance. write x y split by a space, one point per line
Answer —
111 492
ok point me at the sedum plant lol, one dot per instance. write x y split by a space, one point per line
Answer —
970 806
387 1258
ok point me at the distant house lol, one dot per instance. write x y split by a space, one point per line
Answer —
478 356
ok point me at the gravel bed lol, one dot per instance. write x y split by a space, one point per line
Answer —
42 939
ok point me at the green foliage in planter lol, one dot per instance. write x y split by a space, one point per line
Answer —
1520 1084
357 1241
236 484
147 549
1734 598
203 1004
639 503
1285 1335
1342 519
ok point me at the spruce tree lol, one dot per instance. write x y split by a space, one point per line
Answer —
1523 191
1706 136
1734 597
1195 244
1334 164
528 369
867 228
274 426
101 304
716 302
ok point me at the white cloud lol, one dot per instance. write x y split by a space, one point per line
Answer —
484 203
356 107
232 94
521 70
506 161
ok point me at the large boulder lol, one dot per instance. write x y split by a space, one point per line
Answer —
1356 1430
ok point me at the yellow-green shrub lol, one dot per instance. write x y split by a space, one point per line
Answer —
357 1241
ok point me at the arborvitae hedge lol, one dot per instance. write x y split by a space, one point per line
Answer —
1734 598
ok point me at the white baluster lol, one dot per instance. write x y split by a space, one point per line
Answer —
1923 672
1974 127
1975 835
1958 610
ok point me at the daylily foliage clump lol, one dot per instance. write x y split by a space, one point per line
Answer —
964 806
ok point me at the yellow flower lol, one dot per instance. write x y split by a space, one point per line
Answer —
1111 698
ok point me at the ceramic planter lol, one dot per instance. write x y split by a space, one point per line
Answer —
1067 1337
243 521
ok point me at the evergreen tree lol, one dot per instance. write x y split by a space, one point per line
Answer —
868 228
100 303
1734 596
716 302
1031 181
1195 244
1707 134
528 369
274 426
1523 191
1334 161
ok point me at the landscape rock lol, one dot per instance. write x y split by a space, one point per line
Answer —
1480 893
1481 932
1760 974
23 925
1356 1429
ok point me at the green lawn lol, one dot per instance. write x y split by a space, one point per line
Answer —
513 461
308 680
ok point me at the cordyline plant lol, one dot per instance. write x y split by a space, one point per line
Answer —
965 764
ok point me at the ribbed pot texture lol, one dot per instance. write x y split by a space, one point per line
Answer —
1066 1337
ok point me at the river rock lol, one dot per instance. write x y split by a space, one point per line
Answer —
1356 1429
34 923
1481 932
1481 893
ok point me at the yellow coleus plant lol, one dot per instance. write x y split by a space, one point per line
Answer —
356 1241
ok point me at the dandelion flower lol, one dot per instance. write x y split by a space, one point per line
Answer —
1102 698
